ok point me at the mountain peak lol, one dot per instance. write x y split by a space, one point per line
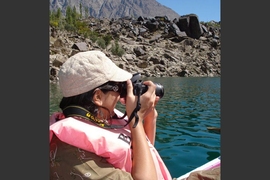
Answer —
115 8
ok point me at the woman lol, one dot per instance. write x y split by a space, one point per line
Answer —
90 139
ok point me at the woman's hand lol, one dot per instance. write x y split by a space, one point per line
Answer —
130 100
143 166
147 100
149 113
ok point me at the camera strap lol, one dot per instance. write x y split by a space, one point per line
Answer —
73 110
134 113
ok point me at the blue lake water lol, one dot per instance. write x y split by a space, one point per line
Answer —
188 107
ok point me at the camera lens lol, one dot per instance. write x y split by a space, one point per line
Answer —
159 90
140 88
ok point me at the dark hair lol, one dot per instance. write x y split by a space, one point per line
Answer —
84 100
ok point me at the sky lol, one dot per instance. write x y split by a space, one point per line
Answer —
206 10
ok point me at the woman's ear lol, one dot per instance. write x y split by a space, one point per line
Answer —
97 97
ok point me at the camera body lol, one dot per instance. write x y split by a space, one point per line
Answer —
140 88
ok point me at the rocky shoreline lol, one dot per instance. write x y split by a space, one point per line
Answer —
154 47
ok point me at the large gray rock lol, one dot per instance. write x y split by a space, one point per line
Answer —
185 49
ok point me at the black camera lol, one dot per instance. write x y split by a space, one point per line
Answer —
140 88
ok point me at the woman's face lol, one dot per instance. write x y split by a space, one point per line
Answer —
107 96
109 100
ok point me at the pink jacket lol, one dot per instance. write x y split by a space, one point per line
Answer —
112 144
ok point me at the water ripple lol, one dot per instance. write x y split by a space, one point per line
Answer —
189 106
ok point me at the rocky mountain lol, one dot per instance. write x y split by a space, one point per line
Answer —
116 8
154 47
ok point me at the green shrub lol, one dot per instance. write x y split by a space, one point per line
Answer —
107 39
93 36
82 28
54 23
70 27
117 50
101 43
